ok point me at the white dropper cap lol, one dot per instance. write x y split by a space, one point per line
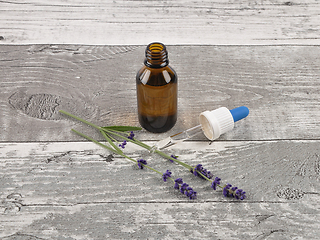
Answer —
219 121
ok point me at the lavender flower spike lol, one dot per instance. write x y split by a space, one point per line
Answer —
185 189
240 194
141 162
226 191
215 183
202 170
190 193
229 191
178 181
166 175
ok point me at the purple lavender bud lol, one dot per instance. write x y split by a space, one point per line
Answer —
131 135
240 194
141 162
215 183
226 192
178 181
122 145
234 189
192 194
202 170
166 175
173 156
183 187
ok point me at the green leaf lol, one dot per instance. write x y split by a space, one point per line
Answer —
122 128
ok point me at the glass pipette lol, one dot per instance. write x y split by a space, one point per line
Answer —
212 124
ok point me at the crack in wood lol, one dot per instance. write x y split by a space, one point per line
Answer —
54 49
310 163
21 236
70 155
317 164
97 52
262 218
269 233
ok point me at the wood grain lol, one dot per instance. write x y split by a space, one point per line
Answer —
53 190
280 86
172 22
82 56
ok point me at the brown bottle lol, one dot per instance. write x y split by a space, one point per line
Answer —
157 90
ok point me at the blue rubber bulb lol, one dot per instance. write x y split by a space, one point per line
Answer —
239 113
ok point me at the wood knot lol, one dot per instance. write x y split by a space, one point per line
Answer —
41 105
11 204
46 106
290 193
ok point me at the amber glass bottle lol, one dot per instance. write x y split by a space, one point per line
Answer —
157 90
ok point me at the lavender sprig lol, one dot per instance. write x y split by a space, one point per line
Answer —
203 173
141 163
198 170
189 192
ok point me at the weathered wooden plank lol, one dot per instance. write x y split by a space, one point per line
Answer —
172 22
52 190
280 85
57 168
161 221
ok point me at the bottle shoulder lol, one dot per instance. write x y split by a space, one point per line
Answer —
156 76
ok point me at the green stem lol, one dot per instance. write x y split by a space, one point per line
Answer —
171 158
117 150
114 151
141 144
111 143
95 141
80 119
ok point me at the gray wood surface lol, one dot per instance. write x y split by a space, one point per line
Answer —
279 84
54 190
55 185
82 56
173 22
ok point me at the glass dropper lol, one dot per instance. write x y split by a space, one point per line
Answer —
212 124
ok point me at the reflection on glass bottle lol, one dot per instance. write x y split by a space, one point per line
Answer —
157 91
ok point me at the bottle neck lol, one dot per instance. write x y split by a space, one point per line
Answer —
156 55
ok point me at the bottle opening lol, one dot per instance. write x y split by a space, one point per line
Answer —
156 47
156 55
